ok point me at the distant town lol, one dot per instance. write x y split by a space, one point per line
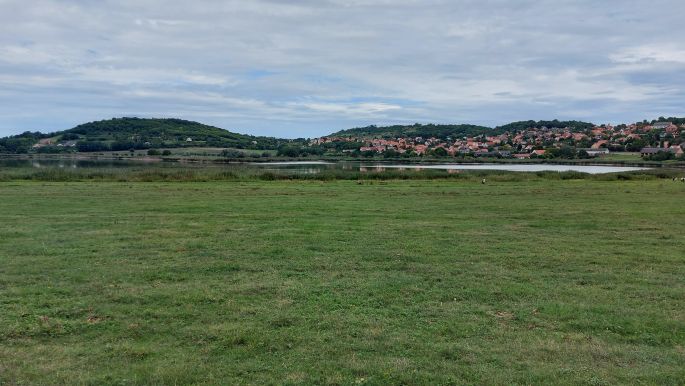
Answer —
658 140
662 139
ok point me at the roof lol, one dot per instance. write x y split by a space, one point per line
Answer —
654 150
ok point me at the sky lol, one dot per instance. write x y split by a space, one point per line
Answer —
310 67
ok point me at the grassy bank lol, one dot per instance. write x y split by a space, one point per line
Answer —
442 281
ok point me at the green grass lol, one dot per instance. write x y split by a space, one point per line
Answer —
622 156
537 281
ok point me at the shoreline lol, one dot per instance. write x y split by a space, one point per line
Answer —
332 160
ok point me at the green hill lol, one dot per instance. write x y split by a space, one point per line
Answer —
135 133
416 130
163 133
554 124
165 129
455 131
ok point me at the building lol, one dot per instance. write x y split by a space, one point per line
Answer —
677 150
599 144
662 125
596 152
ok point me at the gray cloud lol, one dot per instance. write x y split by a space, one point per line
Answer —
305 68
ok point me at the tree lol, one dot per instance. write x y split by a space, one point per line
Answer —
230 153
390 153
635 144
92 146
289 151
440 152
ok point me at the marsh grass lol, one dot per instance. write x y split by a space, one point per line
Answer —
183 173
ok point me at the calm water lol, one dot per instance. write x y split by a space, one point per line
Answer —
317 166
591 169
314 166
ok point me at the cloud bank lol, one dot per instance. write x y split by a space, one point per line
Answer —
306 68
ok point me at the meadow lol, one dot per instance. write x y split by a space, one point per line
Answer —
108 279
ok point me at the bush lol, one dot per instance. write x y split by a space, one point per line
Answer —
92 146
230 153
660 156
166 152
153 152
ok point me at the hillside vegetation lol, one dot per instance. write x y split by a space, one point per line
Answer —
415 130
456 131
575 126
134 133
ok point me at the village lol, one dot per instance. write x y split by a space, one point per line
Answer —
536 142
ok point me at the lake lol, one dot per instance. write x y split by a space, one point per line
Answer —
315 166
318 166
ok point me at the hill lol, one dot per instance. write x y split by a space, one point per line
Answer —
455 131
151 129
135 133
161 133
554 124
416 130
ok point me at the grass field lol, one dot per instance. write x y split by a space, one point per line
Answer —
622 156
312 282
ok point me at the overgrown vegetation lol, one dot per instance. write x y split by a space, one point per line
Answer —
242 172
417 130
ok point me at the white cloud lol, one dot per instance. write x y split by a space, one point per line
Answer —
668 53
338 63
352 109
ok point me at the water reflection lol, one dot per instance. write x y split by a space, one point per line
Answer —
309 167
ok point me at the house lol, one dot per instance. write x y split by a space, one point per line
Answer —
599 144
377 149
189 139
645 151
43 142
522 156
677 150
596 152
662 125
538 152
420 149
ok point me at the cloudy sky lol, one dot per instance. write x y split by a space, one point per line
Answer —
306 68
